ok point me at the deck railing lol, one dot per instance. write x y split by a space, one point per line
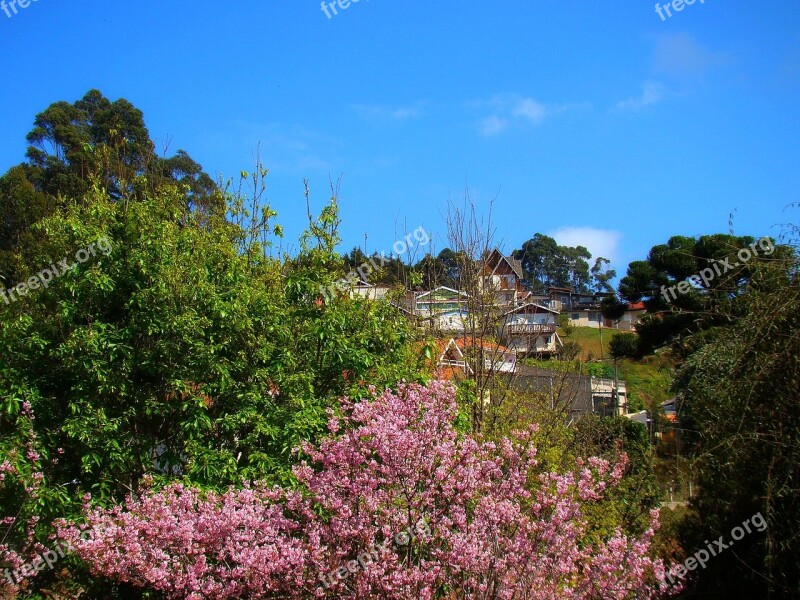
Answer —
530 329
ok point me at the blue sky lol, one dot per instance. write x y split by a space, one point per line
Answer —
597 122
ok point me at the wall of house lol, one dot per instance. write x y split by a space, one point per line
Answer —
450 322
630 320
370 293
544 318
583 320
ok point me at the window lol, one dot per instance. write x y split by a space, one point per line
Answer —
575 317
548 340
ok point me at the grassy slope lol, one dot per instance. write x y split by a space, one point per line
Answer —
648 380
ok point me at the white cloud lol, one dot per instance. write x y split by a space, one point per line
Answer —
680 55
600 242
652 92
530 109
492 125
397 113
508 109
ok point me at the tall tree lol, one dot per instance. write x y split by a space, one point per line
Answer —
689 284
548 264
75 146
602 275
741 417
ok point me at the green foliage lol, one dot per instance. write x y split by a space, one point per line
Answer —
602 275
73 147
613 309
624 345
674 317
638 493
739 392
186 353
649 381
600 370
548 264
565 323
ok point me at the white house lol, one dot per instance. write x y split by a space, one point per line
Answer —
366 290
530 330
633 315
444 307
496 358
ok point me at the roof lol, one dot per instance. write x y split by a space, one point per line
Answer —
639 417
442 287
560 289
537 309
637 306
461 344
516 265
496 257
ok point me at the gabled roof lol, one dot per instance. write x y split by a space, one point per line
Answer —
456 360
516 265
537 308
442 287
496 258
460 344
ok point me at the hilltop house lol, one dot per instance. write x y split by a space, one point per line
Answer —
584 310
530 330
633 315
445 309
369 291
503 275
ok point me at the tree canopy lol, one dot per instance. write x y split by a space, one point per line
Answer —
546 264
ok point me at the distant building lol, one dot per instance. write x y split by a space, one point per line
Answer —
444 309
530 330
366 290
503 276
578 394
453 356
633 314
583 310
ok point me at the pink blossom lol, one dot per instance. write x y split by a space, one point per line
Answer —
485 521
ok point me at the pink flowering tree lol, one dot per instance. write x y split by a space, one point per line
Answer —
23 491
394 504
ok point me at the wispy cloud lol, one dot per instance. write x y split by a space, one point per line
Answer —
652 92
396 113
680 55
492 125
600 242
508 109
530 110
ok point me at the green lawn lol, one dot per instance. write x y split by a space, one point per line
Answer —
589 339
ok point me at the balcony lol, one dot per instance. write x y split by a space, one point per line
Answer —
530 329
